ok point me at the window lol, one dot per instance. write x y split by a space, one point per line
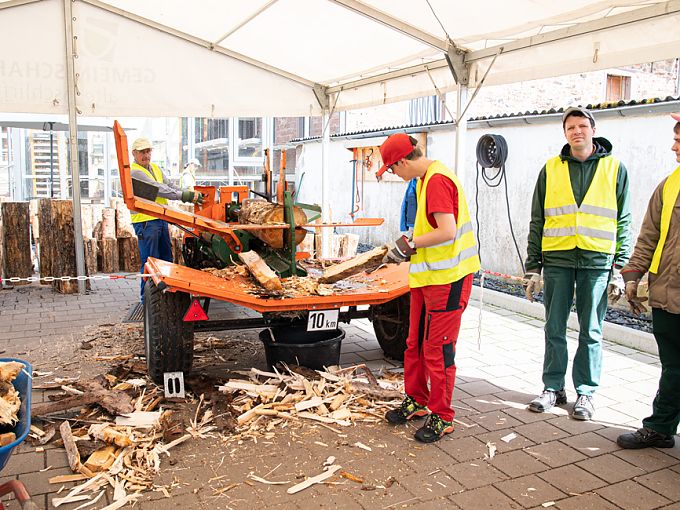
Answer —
248 139
618 88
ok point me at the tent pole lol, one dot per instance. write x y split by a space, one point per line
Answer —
73 145
461 134
325 183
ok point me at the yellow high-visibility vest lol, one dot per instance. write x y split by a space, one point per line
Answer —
592 226
156 176
671 190
451 260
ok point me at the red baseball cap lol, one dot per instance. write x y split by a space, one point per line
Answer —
676 116
393 149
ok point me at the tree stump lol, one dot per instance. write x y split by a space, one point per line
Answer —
108 255
16 240
129 260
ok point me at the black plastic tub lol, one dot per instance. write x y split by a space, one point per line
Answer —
296 345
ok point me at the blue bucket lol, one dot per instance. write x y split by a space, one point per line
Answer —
23 385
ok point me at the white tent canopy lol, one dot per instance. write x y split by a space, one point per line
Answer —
221 58
226 58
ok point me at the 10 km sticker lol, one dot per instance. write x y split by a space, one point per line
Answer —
322 319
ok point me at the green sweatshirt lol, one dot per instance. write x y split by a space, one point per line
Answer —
581 175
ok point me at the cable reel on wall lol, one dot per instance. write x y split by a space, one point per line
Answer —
492 153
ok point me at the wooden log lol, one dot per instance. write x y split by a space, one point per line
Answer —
307 244
129 260
123 221
108 255
70 446
46 242
64 250
177 246
108 223
261 212
369 260
348 246
16 240
261 271
336 241
91 250
86 220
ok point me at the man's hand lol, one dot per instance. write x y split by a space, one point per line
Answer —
532 285
635 302
400 251
616 287
192 196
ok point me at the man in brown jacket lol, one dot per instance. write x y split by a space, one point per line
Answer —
658 251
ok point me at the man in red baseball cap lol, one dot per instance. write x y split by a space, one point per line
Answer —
442 259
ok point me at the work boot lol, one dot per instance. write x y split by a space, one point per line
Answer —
408 410
645 438
583 408
547 400
434 429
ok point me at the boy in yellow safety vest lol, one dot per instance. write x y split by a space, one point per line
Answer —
579 237
443 257
153 237
658 251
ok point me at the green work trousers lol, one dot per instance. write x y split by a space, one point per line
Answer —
666 407
590 287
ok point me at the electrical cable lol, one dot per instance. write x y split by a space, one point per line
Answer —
492 152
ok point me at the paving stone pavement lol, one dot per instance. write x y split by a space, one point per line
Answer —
551 461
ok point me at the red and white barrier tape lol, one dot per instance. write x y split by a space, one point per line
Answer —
49 279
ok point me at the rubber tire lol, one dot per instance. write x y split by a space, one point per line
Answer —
168 340
391 322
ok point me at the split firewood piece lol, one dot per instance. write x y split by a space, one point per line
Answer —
139 419
9 370
108 434
46 408
101 460
7 438
365 261
72 450
116 402
337 402
330 471
67 478
261 271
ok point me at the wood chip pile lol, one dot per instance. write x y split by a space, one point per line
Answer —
124 426
9 401
335 397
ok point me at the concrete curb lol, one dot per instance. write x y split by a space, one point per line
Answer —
615 333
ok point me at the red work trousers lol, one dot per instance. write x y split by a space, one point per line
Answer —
430 354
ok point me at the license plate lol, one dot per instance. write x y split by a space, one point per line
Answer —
320 320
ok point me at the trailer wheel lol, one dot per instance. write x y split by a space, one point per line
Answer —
168 340
390 322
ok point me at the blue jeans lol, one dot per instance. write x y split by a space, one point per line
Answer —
590 288
154 241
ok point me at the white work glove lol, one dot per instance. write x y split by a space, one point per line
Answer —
532 285
399 251
635 302
616 287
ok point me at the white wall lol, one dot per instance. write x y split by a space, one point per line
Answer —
641 142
